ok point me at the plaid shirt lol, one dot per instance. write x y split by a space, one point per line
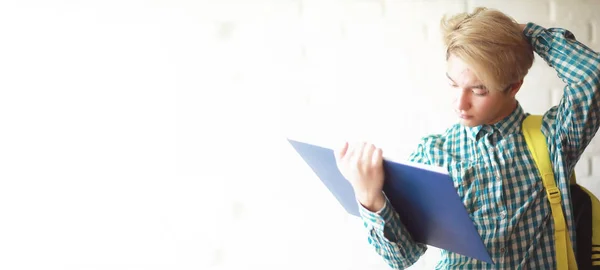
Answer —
497 178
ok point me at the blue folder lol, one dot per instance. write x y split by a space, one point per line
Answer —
426 200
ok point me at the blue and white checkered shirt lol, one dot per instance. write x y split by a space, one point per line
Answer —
496 176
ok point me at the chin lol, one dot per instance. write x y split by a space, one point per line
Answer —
469 123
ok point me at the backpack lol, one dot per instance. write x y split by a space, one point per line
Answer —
586 207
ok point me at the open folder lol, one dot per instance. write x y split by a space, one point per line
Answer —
424 197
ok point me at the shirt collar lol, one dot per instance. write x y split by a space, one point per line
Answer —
508 125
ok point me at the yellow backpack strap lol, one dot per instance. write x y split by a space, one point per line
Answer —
536 142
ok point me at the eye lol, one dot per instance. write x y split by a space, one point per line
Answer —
479 92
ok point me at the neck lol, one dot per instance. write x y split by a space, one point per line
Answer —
508 109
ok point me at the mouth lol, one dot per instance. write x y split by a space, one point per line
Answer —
465 117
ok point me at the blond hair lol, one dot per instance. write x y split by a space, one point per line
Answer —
491 43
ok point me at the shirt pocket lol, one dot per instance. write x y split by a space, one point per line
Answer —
472 180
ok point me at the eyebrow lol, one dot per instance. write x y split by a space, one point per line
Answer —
480 86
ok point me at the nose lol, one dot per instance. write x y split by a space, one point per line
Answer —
463 101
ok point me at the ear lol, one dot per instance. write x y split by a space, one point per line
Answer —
514 88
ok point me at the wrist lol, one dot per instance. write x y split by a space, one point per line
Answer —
372 202
522 26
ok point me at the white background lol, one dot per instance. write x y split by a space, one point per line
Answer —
151 134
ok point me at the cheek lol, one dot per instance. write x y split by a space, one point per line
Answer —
485 106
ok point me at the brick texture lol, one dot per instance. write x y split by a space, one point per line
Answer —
385 68
193 100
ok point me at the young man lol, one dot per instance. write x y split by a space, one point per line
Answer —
488 55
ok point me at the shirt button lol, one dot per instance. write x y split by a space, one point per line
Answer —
502 250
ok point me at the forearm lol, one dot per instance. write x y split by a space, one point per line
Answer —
576 118
575 63
389 237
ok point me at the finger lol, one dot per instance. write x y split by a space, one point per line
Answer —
349 152
341 152
377 158
358 152
368 155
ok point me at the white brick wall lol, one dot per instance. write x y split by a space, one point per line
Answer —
150 134
390 68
